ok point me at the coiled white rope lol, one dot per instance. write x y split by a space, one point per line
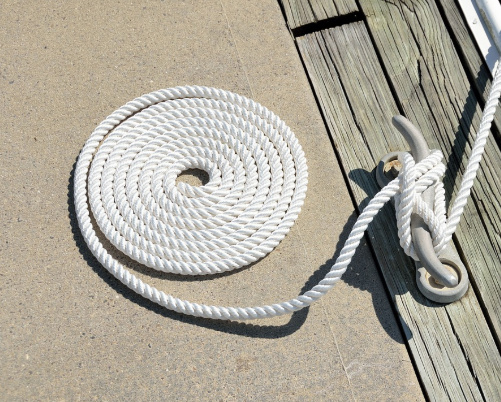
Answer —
257 184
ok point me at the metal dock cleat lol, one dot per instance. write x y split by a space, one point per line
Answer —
443 279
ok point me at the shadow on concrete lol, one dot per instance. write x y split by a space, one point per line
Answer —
355 276
232 327
237 328
363 275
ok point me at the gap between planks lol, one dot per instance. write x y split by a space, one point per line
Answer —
304 12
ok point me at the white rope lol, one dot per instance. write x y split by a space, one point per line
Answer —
409 200
257 184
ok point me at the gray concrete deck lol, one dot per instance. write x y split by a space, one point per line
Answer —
69 330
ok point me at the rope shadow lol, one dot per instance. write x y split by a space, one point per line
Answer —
297 319
462 137
231 327
384 230
359 275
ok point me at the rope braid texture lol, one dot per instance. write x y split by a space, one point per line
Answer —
126 175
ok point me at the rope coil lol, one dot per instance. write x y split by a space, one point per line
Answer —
257 184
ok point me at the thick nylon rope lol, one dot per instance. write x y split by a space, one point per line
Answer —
126 175
409 199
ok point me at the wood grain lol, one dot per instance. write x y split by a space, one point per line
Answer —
432 87
303 12
452 346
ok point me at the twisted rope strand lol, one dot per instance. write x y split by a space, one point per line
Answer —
476 155
409 201
257 183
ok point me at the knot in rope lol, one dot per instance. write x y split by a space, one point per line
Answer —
420 184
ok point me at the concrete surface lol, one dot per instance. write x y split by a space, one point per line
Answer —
69 331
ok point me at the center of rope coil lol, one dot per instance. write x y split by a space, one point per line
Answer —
193 177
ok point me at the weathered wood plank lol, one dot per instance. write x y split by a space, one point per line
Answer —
473 60
452 345
302 12
434 93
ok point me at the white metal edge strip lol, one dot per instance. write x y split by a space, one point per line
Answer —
491 14
480 30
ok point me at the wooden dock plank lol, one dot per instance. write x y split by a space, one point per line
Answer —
452 346
303 12
473 61
434 92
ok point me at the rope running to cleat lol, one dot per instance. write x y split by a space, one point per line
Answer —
126 174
